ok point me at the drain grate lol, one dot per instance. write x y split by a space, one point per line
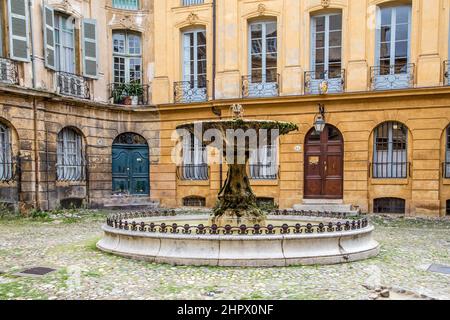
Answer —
38 271
438 268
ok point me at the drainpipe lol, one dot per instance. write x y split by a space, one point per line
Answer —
214 50
33 66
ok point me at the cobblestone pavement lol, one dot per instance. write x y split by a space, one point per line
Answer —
68 245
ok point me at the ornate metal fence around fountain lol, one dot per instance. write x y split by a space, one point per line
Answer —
122 222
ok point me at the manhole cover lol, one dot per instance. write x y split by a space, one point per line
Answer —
39 271
438 268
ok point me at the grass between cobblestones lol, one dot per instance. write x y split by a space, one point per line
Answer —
67 242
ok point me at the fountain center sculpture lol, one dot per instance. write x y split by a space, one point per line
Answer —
237 203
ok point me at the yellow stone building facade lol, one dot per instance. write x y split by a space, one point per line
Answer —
377 69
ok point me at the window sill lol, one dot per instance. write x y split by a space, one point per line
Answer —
256 183
193 183
446 182
393 181
70 183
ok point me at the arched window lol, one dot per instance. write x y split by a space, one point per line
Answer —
6 166
447 153
70 159
194 201
390 154
389 205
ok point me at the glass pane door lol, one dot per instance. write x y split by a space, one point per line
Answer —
263 52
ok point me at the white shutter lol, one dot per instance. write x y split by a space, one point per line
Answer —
90 51
18 30
48 18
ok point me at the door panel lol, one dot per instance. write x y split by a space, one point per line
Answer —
324 164
130 169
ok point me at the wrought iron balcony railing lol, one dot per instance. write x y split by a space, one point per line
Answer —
9 72
446 170
9 170
324 82
130 93
71 172
263 171
70 84
259 87
390 170
190 91
392 77
446 73
193 172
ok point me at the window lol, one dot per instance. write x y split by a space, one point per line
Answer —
390 151
195 164
263 52
191 2
393 39
194 58
389 205
70 161
264 202
327 46
127 57
6 166
194 202
448 208
64 43
264 163
447 154
126 4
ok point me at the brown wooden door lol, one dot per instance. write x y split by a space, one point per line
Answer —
324 164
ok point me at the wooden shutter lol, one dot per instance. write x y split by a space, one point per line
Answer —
48 18
90 52
18 30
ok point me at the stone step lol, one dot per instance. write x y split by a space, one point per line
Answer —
126 202
329 207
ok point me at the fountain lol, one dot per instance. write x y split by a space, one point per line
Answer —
238 232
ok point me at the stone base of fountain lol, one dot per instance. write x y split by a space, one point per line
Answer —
285 241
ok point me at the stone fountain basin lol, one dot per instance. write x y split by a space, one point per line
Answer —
266 250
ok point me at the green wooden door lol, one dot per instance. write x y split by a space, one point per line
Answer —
130 169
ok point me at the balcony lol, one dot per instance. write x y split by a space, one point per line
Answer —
257 87
190 91
193 172
8 71
324 82
263 172
390 170
130 94
73 85
191 2
392 77
446 73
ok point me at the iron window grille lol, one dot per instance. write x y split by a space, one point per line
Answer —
194 202
390 156
7 165
389 206
71 164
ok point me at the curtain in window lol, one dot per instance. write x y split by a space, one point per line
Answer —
194 159
264 163
6 167
263 52
70 160
194 58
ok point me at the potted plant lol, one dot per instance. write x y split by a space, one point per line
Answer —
119 93
135 90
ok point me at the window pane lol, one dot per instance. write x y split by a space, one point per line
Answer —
402 14
386 16
335 22
385 50
256 61
257 46
256 31
335 39
271 60
385 34
320 24
320 40
201 38
320 56
271 30
401 49
401 32
335 55
271 45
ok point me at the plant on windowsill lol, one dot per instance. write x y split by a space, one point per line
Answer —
128 93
